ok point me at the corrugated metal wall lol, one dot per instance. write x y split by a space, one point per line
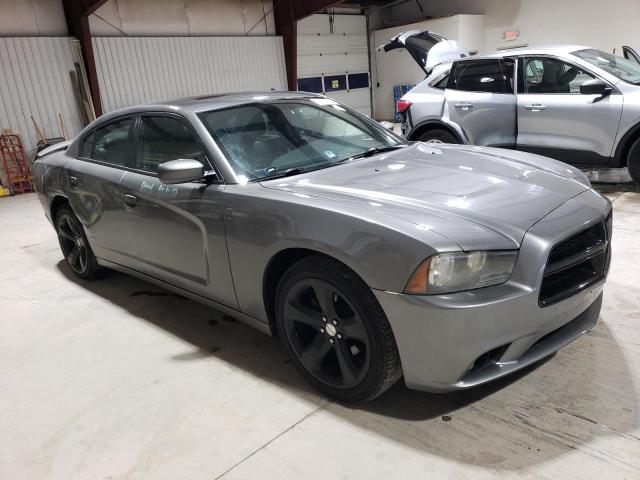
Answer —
134 70
34 80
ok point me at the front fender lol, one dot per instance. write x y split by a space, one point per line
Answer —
375 246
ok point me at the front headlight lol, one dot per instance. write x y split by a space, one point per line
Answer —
458 271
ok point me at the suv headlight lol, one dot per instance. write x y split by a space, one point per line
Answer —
459 271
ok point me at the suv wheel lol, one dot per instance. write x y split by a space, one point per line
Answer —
633 161
335 331
438 135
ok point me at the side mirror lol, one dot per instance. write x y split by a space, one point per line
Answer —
595 87
180 171
387 125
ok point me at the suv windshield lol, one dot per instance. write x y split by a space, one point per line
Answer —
617 66
267 139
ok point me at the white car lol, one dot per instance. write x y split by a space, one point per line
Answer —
573 103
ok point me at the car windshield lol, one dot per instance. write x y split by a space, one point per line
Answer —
269 139
617 66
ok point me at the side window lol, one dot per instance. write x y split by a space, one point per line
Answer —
111 143
163 139
478 76
440 83
551 75
87 146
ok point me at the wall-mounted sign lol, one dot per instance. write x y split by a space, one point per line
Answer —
510 35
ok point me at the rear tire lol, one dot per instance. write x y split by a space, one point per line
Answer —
438 135
74 245
633 161
335 331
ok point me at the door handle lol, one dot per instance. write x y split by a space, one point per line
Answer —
464 106
536 107
73 181
130 200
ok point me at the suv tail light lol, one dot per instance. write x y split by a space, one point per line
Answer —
402 105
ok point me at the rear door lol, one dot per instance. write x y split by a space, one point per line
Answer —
479 98
556 120
178 229
95 191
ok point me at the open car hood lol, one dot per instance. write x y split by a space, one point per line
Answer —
428 49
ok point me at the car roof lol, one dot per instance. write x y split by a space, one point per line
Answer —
209 102
535 50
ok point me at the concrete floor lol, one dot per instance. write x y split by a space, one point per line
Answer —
120 379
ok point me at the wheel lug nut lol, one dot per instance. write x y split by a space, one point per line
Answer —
322 330
324 319
331 340
339 335
335 322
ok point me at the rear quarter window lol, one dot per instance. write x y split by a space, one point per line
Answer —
477 76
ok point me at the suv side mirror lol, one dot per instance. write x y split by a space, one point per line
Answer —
387 125
595 87
180 171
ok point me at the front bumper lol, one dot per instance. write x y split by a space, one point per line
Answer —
456 341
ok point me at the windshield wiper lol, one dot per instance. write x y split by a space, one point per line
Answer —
373 151
285 173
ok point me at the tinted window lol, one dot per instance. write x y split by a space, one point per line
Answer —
440 83
111 143
550 75
87 146
163 139
478 76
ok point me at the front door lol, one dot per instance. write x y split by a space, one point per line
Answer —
178 229
556 120
479 98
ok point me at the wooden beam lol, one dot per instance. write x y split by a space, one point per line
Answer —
77 15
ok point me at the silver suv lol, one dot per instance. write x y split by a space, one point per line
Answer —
573 103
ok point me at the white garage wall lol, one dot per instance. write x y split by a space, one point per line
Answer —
34 81
606 25
134 70
397 67
338 50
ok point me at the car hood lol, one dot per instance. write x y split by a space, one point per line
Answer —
469 194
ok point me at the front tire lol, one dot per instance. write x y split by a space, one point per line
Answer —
74 245
438 135
335 331
633 161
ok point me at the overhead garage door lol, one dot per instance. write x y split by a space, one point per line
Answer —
333 58
135 70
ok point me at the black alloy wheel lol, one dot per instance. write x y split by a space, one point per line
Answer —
335 331
328 335
74 244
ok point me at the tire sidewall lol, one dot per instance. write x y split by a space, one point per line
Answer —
92 268
438 134
633 162
305 270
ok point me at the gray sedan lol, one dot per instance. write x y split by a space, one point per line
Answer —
369 257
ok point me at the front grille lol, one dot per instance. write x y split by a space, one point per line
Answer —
576 263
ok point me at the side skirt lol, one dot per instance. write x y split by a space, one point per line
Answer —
573 157
244 318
